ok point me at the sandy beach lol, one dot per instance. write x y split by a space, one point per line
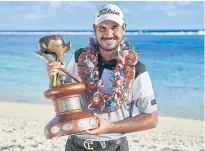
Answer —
22 125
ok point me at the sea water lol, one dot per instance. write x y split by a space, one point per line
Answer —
174 60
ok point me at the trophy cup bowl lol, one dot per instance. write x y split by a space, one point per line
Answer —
70 117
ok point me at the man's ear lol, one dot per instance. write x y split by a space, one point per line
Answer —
94 27
124 26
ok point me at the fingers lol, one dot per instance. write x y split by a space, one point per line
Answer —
53 71
99 117
92 132
53 67
96 114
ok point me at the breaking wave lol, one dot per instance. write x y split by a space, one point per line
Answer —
90 32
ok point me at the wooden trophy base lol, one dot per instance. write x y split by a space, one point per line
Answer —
70 117
70 123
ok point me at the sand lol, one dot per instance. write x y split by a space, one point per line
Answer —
22 125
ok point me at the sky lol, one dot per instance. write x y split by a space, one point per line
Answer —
67 15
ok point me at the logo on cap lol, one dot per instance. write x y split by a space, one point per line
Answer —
108 11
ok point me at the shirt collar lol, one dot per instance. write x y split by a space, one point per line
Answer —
109 63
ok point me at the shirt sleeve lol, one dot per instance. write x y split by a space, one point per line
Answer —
143 97
72 67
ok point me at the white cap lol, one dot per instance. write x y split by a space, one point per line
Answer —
109 12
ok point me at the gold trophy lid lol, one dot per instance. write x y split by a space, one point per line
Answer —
49 44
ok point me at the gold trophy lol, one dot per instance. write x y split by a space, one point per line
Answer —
70 118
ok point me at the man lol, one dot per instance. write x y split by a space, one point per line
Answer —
119 90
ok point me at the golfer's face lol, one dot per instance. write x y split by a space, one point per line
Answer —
109 34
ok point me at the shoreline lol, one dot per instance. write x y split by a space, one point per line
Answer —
22 125
52 112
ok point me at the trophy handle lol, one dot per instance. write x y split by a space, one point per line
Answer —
66 71
71 75
53 82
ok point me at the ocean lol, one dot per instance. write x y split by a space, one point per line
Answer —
173 58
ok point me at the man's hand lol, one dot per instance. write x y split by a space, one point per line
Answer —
53 67
137 123
104 127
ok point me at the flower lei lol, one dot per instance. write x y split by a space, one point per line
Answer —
122 77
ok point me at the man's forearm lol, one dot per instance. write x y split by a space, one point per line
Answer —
136 123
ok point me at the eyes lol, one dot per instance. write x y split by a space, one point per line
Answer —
103 29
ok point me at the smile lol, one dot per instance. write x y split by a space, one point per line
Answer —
109 40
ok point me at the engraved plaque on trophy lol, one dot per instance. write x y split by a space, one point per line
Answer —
70 117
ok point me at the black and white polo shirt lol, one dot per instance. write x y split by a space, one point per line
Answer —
141 96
